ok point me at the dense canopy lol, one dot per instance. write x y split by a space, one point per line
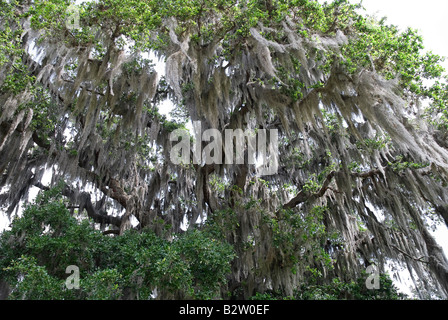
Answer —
360 109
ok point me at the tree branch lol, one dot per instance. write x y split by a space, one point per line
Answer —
85 88
409 256
111 189
303 196
107 232
367 174
116 192
85 201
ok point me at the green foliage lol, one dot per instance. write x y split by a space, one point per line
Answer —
315 181
312 185
17 79
17 75
10 32
168 125
221 222
104 284
218 184
45 113
208 260
331 121
377 143
437 112
353 290
384 49
373 45
400 164
34 282
339 290
294 230
46 239
290 84
137 66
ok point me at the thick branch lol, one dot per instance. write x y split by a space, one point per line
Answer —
111 189
41 142
98 216
303 196
116 192
367 174
107 232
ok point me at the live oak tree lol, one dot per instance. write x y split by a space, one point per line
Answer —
360 108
